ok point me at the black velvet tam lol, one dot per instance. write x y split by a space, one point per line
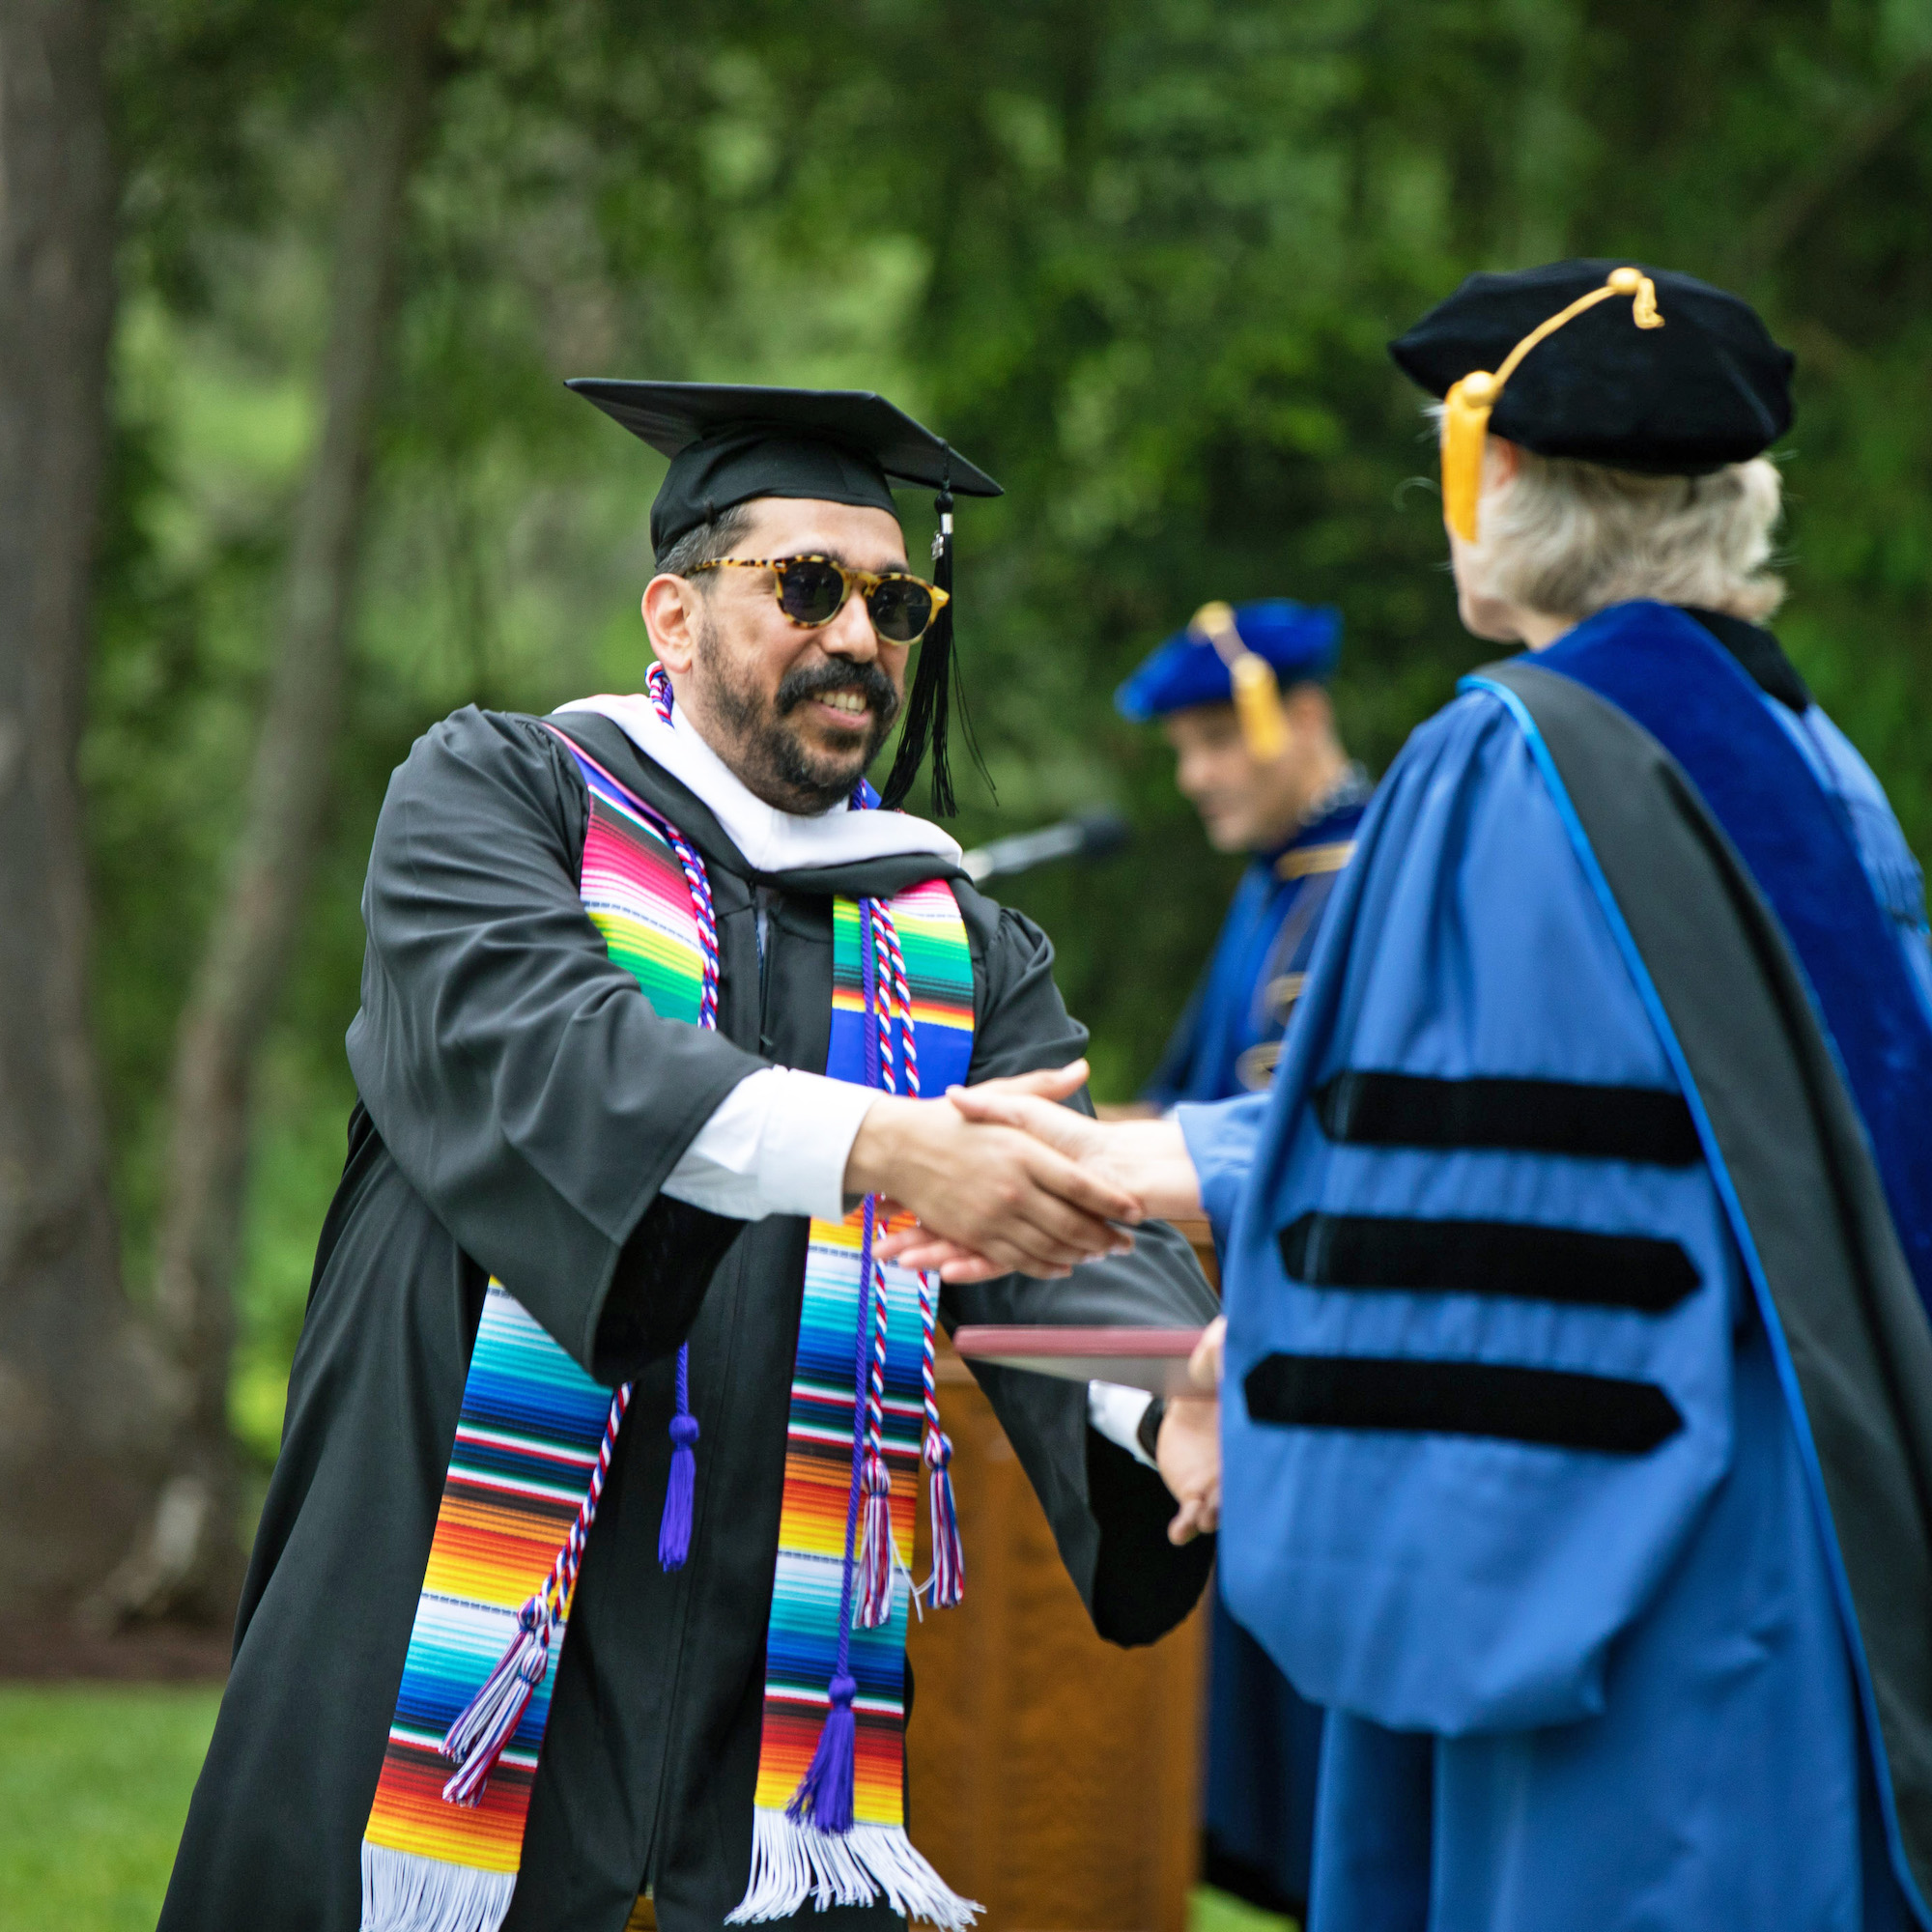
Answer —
1709 388
728 443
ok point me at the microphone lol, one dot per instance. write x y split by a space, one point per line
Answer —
1089 838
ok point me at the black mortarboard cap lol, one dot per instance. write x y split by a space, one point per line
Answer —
1708 388
730 443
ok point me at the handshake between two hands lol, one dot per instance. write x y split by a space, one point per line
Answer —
1003 1178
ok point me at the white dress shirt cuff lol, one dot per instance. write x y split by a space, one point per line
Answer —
776 1144
1116 1412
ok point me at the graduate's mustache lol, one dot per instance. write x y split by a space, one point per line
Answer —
866 679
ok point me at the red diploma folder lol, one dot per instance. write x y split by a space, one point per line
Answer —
1148 1358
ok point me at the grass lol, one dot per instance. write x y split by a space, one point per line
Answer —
1210 1910
93 1786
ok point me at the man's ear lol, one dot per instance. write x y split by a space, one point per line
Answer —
671 616
1501 460
1309 706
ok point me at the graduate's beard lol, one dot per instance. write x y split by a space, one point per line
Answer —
768 755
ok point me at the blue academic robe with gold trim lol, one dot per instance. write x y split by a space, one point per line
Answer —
1577 1413
1228 1039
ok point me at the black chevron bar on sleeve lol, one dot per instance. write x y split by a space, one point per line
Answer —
1520 1259
1557 1408
1366 1108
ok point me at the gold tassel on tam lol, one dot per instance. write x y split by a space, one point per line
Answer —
1465 435
1256 696
1465 408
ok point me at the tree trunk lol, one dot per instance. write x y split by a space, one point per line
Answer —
189 1562
79 1449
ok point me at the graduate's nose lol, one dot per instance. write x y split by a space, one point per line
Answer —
850 634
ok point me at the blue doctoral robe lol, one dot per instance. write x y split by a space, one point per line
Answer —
1264 1740
1577 1413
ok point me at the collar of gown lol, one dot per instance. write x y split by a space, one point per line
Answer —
771 840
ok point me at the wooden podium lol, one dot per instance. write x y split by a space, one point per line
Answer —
1054 1777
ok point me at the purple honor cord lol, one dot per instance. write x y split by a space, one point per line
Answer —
824 1795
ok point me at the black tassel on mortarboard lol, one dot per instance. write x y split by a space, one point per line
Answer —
929 702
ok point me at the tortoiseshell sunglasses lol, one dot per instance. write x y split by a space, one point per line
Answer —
812 591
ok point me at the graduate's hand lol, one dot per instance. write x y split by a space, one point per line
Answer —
951 1261
923 1246
1188 1453
1001 1195
1148 1158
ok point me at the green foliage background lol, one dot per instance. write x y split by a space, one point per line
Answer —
1139 260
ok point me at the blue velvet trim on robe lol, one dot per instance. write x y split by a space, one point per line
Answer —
1665 671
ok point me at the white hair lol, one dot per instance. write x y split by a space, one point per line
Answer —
1570 538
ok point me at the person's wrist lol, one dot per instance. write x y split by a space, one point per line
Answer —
1150 1157
1148 1431
877 1148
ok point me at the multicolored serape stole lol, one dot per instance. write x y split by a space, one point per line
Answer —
830 1823
443 1842
444 1838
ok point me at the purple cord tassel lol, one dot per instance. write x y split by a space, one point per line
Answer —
681 1493
680 1496
823 1799
824 1795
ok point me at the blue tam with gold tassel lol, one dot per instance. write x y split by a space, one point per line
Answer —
1299 642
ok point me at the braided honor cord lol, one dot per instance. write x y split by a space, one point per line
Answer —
487 1722
824 1797
946 1585
681 1494
881 1551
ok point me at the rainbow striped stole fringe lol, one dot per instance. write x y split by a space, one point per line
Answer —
829 1686
441 1848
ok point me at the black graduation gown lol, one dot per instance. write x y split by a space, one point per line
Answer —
520 1104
